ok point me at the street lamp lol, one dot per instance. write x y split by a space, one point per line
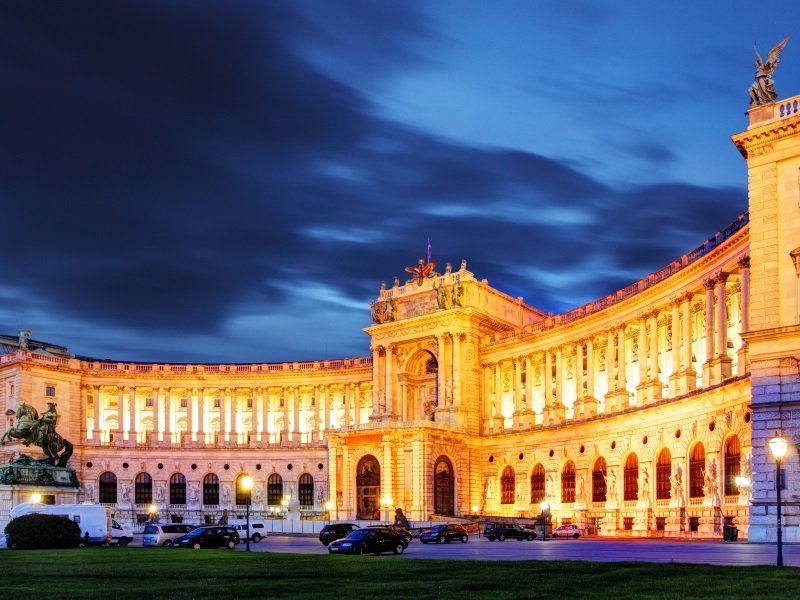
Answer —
329 508
777 446
151 510
247 484
386 502
36 498
545 511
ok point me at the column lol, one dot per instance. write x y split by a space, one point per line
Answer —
167 436
356 391
96 407
529 417
611 374
577 407
158 424
724 369
133 428
457 371
674 377
376 377
708 378
744 265
487 398
285 401
324 408
589 400
388 382
201 417
499 423
559 410
296 415
223 425
642 351
442 372
347 402
235 435
686 336
189 418
259 416
548 380
85 413
316 417
517 393
621 363
386 477
120 415
652 347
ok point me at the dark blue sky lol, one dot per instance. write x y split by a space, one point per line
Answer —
231 181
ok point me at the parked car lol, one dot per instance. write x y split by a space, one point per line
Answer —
336 531
369 540
397 529
572 531
210 536
501 531
444 534
258 530
163 534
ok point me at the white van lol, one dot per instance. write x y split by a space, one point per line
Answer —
258 530
93 519
162 534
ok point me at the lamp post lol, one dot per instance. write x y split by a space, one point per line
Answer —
36 498
777 446
247 485
329 508
545 511
151 510
386 502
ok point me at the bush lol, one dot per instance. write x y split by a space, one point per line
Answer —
40 532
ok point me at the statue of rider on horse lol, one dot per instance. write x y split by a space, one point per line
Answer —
41 432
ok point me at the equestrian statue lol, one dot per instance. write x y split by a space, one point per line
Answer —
41 432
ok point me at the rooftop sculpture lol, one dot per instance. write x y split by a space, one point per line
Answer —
763 89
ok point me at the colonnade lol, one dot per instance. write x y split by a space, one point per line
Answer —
691 342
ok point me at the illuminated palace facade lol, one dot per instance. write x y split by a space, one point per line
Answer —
631 415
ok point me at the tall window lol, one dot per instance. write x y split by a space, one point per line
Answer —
631 478
663 471
599 480
274 490
305 491
568 483
177 489
243 496
697 468
732 465
507 486
143 489
211 490
537 484
108 488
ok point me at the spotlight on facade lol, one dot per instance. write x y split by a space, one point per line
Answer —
777 446
545 506
386 503
36 498
151 510
329 508
742 482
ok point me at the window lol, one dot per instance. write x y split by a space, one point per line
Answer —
211 490
149 402
507 486
216 403
274 490
599 480
184 402
49 390
143 489
249 403
305 491
537 484
243 496
177 489
661 523
631 478
663 472
627 523
568 483
108 488
732 468
697 468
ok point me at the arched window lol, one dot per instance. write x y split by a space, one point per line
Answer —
631 478
507 486
274 490
143 489
177 489
568 483
537 484
211 490
663 471
697 468
108 488
599 480
305 491
732 465
243 496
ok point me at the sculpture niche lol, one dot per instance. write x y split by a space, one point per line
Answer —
41 432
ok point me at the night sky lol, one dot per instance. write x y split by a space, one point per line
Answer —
231 181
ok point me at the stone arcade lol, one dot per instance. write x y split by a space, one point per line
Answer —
631 415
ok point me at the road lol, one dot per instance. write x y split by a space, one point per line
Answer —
607 549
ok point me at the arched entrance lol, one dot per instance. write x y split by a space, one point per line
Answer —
443 487
421 378
368 488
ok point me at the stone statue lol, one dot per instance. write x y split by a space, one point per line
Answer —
441 297
390 309
763 89
41 432
548 487
193 491
710 480
644 483
421 271
676 479
458 293
126 493
611 485
489 489
24 334
579 485
400 518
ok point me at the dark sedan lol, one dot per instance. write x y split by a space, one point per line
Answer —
397 529
212 536
444 534
372 540
336 531
500 531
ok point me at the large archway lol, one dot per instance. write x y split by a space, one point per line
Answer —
422 383
443 487
368 488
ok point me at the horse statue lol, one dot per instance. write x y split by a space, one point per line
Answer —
41 432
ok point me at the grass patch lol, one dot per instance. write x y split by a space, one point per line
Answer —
170 573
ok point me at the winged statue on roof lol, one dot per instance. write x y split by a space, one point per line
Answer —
763 89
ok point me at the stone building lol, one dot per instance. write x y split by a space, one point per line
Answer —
631 415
